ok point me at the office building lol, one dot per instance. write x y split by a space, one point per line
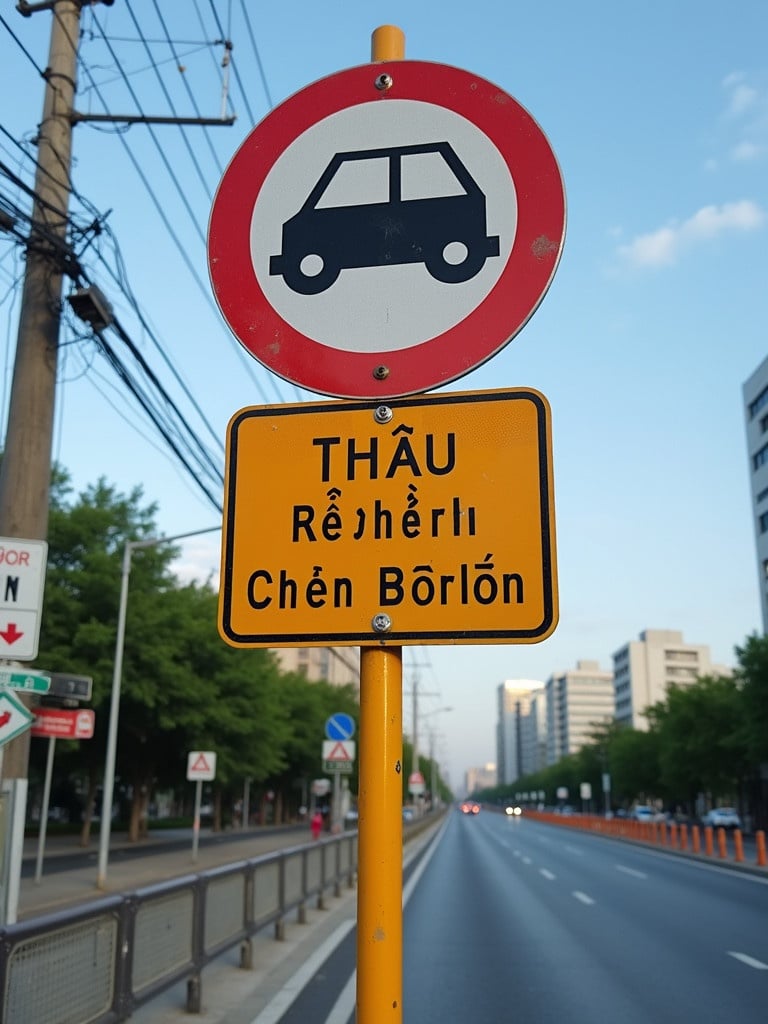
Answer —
755 391
533 735
644 669
336 665
478 779
577 701
514 701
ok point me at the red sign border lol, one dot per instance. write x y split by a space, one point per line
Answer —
448 356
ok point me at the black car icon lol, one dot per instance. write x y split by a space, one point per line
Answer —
445 232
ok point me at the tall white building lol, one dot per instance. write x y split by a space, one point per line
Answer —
755 391
477 779
577 701
514 701
336 665
533 735
644 669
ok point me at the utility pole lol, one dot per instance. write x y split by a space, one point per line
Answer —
25 473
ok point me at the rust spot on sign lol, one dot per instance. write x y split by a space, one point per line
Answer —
543 246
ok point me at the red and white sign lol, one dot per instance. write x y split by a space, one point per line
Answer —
370 242
416 783
338 750
64 723
22 581
201 766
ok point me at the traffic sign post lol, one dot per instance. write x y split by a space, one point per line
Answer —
424 520
386 230
381 233
201 767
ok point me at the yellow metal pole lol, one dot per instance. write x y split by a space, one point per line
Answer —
380 854
380 797
387 43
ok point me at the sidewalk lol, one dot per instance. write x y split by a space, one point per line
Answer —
60 889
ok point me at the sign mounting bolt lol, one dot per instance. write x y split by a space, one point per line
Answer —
381 623
382 414
381 372
384 82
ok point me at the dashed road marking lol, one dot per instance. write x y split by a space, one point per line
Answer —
631 871
748 960
547 874
583 898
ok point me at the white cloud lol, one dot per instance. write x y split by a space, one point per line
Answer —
746 115
744 152
664 246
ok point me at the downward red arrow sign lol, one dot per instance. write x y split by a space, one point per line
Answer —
5 718
11 634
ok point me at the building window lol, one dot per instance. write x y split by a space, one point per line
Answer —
761 496
763 522
760 458
760 402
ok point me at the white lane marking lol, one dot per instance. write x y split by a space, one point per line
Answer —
547 874
748 960
573 849
283 999
344 1006
583 898
526 860
517 853
631 871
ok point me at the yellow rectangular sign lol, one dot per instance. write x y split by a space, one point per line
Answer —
425 520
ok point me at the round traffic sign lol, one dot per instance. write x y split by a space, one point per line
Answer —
340 726
386 230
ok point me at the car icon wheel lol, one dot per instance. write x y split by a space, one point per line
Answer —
310 275
455 263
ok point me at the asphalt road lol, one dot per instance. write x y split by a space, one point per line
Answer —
513 920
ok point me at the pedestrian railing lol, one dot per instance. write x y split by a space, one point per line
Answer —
100 961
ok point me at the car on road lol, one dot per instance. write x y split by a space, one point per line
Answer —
722 817
643 812
470 807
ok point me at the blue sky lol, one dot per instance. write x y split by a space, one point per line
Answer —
658 312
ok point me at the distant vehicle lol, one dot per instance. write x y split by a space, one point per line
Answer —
722 817
644 813
470 807
513 811
447 233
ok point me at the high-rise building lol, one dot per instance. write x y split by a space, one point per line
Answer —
533 735
577 701
514 700
755 391
644 669
477 779
336 665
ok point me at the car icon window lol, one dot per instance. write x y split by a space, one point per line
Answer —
356 183
428 176
368 225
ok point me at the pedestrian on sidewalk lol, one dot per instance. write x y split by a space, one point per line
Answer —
316 824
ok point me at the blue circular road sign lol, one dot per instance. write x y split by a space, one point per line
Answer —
340 726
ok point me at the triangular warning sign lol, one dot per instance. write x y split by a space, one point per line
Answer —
339 753
200 764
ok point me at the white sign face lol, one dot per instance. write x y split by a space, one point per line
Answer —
22 580
201 766
338 170
14 717
338 750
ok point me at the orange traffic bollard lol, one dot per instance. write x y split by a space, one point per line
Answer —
673 835
709 848
695 839
760 840
683 837
722 846
738 846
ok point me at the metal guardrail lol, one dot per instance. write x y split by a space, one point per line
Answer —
99 962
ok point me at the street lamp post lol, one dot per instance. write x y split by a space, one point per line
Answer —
114 710
433 769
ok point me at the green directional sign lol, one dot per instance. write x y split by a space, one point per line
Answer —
32 682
